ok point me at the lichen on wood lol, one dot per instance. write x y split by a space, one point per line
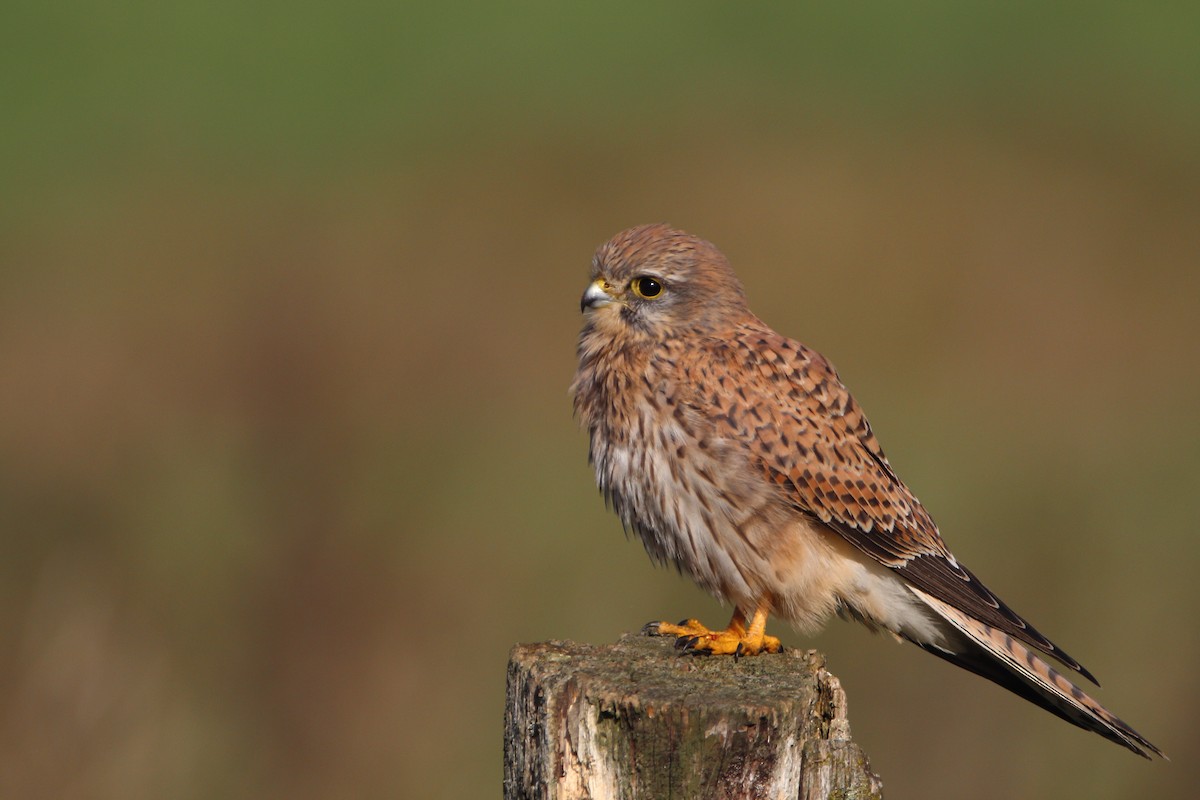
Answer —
637 720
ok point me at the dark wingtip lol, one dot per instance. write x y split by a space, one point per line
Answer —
1085 672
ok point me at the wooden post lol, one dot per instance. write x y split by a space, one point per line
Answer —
637 720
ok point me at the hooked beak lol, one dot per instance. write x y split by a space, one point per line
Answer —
597 295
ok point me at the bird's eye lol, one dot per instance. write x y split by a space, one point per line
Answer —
646 287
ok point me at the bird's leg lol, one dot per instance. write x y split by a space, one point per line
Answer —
735 640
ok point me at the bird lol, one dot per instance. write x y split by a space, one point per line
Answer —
737 455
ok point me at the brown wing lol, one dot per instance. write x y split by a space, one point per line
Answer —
788 407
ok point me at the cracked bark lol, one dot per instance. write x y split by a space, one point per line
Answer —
636 720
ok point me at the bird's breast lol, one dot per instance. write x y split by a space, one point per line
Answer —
690 496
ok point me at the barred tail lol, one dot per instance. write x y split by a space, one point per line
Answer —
995 655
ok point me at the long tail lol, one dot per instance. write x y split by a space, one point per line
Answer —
998 657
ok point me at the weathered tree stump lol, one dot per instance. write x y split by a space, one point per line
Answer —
637 720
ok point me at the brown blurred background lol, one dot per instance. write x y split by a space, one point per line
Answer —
287 316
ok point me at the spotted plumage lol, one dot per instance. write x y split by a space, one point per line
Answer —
739 456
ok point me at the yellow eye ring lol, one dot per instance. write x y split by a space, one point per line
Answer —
646 287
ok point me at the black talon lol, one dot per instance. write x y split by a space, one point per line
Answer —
650 629
683 642
682 622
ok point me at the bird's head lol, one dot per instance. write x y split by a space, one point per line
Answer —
655 282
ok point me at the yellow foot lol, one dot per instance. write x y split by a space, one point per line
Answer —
736 640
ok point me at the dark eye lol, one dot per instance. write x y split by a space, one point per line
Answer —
646 287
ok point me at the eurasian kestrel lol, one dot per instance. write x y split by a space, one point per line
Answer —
737 455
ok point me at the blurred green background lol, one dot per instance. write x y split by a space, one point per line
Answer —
287 318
